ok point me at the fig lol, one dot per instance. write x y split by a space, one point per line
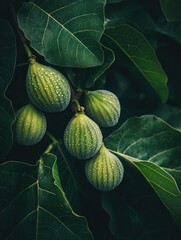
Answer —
103 107
82 136
104 171
47 88
30 125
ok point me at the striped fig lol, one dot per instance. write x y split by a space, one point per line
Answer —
82 136
47 88
30 125
103 107
104 171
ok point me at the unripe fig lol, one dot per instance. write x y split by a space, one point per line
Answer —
30 125
103 107
47 88
104 171
82 137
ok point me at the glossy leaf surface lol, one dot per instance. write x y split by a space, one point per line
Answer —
66 33
37 204
144 142
141 53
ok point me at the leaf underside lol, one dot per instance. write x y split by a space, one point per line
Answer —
144 142
35 200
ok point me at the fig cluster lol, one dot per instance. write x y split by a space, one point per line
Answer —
83 138
49 91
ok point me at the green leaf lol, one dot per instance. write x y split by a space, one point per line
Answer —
85 78
170 114
67 167
176 174
7 64
171 9
131 13
66 33
32 195
147 142
171 29
140 52
125 222
131 216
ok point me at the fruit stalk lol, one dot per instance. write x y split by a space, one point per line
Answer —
29 53
76 106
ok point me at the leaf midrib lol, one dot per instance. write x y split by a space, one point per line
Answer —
131 57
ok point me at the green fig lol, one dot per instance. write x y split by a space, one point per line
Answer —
103 107
30 125
47 88
104 171
82 136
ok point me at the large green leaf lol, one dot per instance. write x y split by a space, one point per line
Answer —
66 33
32 197
85 78
152 146
171 9
131 213
7 64
140 52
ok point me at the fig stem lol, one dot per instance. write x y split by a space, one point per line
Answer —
77 104
53 144
27 49
52 138
79 92
49 148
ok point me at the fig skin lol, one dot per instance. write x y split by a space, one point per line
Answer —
103 107
82 136
30 125
47 88
104 171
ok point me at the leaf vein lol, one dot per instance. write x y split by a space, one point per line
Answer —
141 138
83 15
62 26
145 165
66 6
162 152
